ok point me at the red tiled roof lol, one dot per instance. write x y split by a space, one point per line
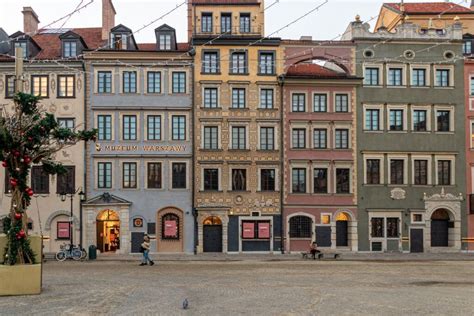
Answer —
220 2
430 8
313 70
182 47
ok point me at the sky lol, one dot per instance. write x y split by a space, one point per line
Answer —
328 22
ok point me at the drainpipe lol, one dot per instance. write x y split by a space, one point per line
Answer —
281 83
192 53
84 179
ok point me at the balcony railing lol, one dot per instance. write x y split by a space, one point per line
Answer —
233 31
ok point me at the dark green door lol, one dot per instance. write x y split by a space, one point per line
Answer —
416 240
212 238
439 233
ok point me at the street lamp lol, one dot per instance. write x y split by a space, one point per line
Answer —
82 196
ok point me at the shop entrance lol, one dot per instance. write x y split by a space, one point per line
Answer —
108 231
342 239
440 228
212 234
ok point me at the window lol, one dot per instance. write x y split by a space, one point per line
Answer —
417 218
377 224
395 76
239 138
66 86
40 86
421 172
153 127
371 76
320 180
211 137
320 138
39 180
69 49
396 120
179 127
210 98
373 171
342 103
238 63
267 180
419 121
442 77
444 172
165 41
119 41
343 181
129 175
179 82
154 175
179 175
298 180
267 138
226 23
104 82
104 126
239 179
320 103
63 230
266 63
298 102
129 127
206 23
256 230
299 138
471 93
392 227
244 23
372 120
211 179
154 82
24 46
443 120
11 86
467 47
66 182
68 123
210 63
266 98
397 171
342 138
238 98
129 82
170 227
301 227
418 77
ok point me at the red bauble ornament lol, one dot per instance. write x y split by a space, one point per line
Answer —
30 193
27 159
16 153
13 182
30 139
4 164
22 233
18 216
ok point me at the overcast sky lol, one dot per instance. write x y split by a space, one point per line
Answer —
327 23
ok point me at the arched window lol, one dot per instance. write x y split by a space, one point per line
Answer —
300 227
170 227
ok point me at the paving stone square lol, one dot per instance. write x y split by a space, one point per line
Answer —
258 287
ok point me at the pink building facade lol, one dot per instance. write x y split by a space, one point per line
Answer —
320 185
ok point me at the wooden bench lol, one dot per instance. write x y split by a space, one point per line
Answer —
319 256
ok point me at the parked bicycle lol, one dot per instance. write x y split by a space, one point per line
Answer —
68 251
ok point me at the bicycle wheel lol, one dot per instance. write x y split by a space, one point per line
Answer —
83 254
61 255
76 254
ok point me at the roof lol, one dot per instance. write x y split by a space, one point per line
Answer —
225 2
182 47
429 8
310 70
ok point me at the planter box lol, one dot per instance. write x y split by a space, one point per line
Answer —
21 279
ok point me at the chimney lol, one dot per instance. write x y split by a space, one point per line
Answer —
30 20
108 18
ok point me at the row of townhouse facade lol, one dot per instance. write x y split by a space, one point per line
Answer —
237 142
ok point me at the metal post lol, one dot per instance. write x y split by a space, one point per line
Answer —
72 220
80 224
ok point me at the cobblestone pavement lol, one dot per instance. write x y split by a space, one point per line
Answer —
251 288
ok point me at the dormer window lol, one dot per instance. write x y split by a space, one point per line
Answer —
165 42
69 49
23 45
119 41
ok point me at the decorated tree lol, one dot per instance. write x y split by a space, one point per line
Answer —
29 135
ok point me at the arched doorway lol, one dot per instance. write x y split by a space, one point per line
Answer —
108 231
212 234
440 228
342 230
170 230
300 232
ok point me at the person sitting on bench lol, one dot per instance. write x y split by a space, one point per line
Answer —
313 249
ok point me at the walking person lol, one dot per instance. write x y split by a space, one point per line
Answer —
146 252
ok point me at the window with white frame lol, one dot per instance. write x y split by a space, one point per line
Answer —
298 102
104 126
179 82
395 77
69 49
320 102
239 137
210 62
238 98
266 98
129 127
467 47
211 137
10 82
68 123
154 82
40 85
298 138
210 98
266 63
372 120
372 76
418 77
66 86
267 138
341 136
342 103
104 82
165 41
178 127
238 63
206 22
320 138
129 82
154 127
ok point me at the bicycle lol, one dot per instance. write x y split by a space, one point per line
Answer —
68 251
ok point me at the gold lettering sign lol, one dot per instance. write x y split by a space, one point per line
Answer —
148 148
